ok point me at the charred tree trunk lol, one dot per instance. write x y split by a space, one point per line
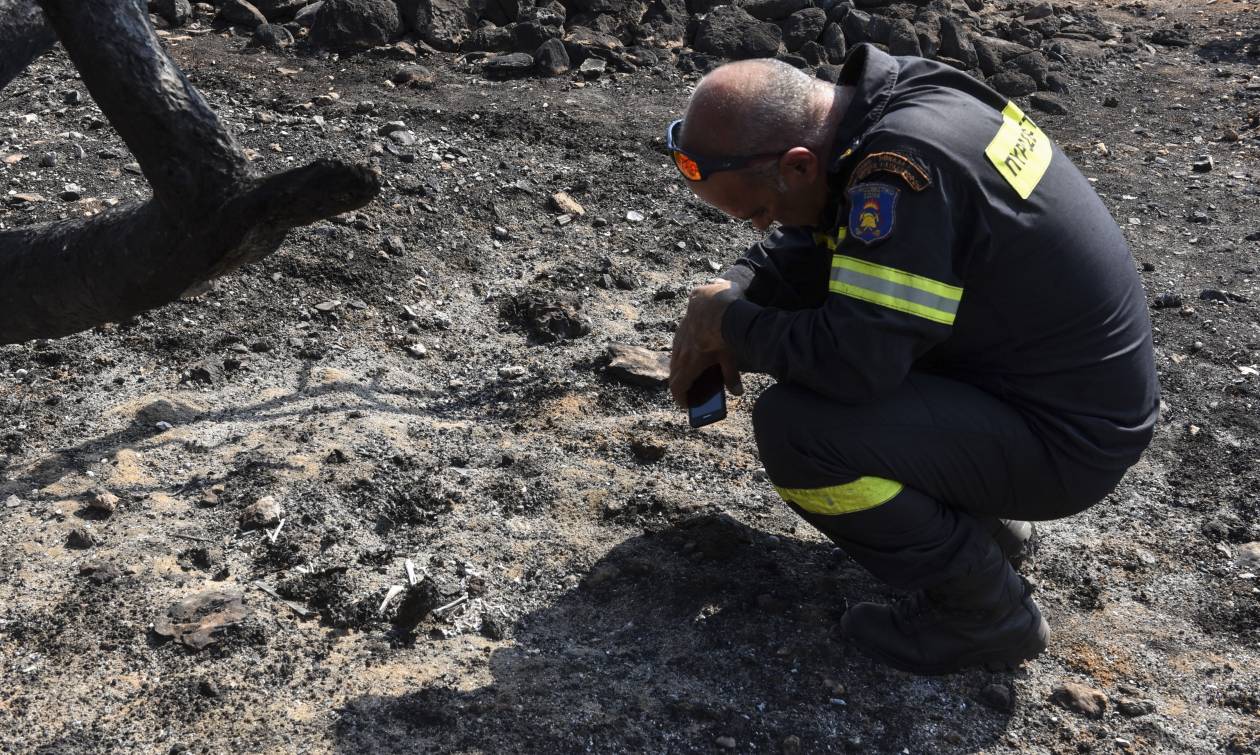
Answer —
210 213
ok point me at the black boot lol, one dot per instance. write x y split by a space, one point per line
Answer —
986 618
1017 539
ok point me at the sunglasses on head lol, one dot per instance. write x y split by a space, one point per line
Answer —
696 168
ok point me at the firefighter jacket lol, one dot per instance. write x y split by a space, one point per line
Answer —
963 243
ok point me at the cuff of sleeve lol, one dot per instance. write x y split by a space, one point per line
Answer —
740 275
736 321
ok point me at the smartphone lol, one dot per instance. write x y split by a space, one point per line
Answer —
706 398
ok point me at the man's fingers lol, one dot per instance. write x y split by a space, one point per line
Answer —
730 374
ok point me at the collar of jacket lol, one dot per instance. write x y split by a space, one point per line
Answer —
873 74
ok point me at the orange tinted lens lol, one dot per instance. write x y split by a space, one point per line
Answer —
687 167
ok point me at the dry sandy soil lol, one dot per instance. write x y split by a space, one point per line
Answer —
627 584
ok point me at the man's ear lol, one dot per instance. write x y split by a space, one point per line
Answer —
799 165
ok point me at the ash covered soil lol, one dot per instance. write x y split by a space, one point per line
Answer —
425 381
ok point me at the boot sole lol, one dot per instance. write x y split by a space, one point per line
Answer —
1029 647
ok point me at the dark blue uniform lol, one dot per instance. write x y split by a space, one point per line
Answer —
968 337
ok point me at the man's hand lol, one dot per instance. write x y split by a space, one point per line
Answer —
698 342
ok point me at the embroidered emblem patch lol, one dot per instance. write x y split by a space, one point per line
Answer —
904 166
871 212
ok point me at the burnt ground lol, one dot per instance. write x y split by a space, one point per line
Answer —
611 602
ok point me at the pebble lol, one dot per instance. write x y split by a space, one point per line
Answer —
390 127
395 246
501 233
563 203
80 537
998 697
1132 708
726 743
49 160
12 502
1166 301
72 97
512 372
327 306
638 366
265 512
71 193
1249 556
1080 698
418 350
103 501
1202 164
634 216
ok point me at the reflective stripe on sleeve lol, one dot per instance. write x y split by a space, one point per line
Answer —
895 289
859 495
831 242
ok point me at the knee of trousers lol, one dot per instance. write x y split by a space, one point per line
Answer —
776 420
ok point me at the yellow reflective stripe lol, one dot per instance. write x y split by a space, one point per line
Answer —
1020 151
859 495
895 289
900 277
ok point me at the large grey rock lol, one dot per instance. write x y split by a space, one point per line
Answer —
415 14
306 16
502 12
730 32
860 26
903 39
833 43
490 39
1032 64
772 10
956 42
529 36
928 28
803 26
174 12
511 64
241 13
279 10
551 58
450 22
356 24
664 23
1013 83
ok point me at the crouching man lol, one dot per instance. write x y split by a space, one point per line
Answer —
959 336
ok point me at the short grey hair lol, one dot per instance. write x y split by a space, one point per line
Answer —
773 109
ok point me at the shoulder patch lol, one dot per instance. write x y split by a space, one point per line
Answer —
872 209
905 167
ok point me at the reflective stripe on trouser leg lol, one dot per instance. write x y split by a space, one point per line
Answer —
858 495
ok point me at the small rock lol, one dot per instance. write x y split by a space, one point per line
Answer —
418 350
512 372
510 64
1048 104
592 67
998 697
726 743
1111 101
1248 555
1202 164
265 512
647 450
1166 301
12 502
552 58
634 216
327 306
1133 708
791 745
638 366
390 127
102 501
417 77
242 13
273 36
395 246
72 97
71 193
100 572
80 538
1087 701
49 160
1213 294
562 202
